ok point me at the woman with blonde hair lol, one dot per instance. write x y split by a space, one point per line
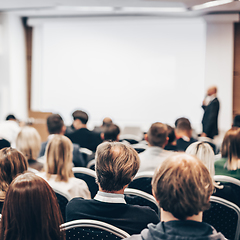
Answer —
58 168
29 143
12 163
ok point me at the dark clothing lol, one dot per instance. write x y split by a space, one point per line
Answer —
35 164
210 118
130 218
70 129
182 144
85 138
78 159
4 143
179 230
170 147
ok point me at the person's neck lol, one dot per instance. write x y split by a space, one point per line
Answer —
167 216
78 125
116 192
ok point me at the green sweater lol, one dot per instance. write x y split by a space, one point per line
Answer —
221 170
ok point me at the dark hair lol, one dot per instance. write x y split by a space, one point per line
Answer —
55 124
171 134
12 163
31 211
236 121
81 115
180 119
157 134
183 185
10 116
116 165
111 132
184 124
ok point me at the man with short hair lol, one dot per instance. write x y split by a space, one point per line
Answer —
154 155
111 133
80 134
182 187
116 165
56 125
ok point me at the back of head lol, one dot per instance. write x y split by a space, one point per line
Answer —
230 145
30 210
183 124
11 117
12 163
81 115
55 124
107 122
116 165
182 185
59 157
29 142
157 134
204 152
111 132
236 121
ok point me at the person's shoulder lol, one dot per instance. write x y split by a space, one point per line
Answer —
145 211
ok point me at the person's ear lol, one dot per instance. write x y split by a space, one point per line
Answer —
102 136
155 197
146 137
63 129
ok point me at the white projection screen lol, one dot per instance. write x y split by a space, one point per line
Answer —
136 70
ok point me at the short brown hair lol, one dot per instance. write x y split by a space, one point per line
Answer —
116 165
54 124
59 157
12 163
81 115
183 185
31 210
157 134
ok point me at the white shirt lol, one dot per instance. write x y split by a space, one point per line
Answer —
110 197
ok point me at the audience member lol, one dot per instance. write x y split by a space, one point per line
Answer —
12 163
82 136
116 165
4 143
29 142
210 117
155 154
172 141
31 211
229 164
58 170
184 134
56 125
236 121
182 186
111 133
9 129
105 124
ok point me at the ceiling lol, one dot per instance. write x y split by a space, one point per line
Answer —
78 7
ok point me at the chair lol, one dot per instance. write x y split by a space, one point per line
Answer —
140 147
92 229
91 164
142 181
63 200
137 197
87 154
89 176
224 216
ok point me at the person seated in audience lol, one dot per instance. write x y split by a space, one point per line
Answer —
204 152
236 121
155 154
111 133
229 164
81 135
105 124
182 187
31 211
4 143
29 142
58 169
184 134
116 165
12 163
172 141
9 129
55 125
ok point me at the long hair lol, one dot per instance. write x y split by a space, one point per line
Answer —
30 211
59 158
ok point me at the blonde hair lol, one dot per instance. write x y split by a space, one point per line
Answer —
29 142
204 152
59 158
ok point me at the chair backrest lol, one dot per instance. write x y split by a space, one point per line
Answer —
227 179
92 229
224 216
63 200
142 181
89 176
91 164
137 197
87 154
